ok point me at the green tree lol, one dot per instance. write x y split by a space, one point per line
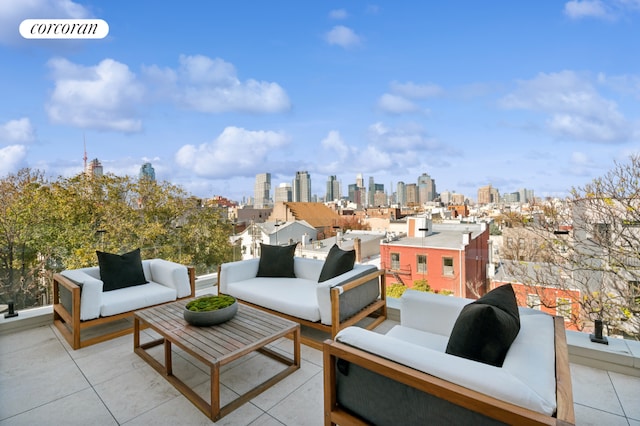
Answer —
50 226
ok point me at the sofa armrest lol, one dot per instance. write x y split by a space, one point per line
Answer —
232 272
484 379
349 281
90 293
173 275
430 312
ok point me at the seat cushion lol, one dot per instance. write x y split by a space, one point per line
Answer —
338 262
292 296
276 261
120 271
486 328
136 297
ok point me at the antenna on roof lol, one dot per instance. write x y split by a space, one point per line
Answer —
84 141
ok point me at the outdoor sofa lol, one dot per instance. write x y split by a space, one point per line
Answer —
82 300
304 295
407 377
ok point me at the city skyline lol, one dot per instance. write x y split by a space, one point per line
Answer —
539 95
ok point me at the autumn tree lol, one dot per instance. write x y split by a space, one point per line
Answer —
591 245
50 226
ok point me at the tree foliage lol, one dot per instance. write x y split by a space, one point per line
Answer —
590 247
48 226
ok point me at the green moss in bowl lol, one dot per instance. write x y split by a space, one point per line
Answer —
210 310
210 303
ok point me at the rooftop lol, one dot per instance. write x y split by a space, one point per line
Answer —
44 381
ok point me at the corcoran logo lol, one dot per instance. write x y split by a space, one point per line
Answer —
64 28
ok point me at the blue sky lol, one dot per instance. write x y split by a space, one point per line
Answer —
537 94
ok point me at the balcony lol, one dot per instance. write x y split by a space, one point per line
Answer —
43 381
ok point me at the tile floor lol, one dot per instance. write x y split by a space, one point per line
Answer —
43 382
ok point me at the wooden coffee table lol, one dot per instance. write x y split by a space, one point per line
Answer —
249 330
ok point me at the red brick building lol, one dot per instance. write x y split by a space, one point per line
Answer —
451 257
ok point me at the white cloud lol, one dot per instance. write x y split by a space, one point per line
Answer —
338 14
402 96
416 91
211 85
609 10
343 36
575 108
395 104
17 131
12 12
235 152
577 9
101 97
334 142
407 138
12 158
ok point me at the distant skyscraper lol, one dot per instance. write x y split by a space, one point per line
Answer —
401 194
283 193
411 190
262 191
488 194
426 188
94 168
302 187
147 172
333 189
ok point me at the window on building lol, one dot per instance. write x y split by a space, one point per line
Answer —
563 307
447 266
533 301
395 261
422 263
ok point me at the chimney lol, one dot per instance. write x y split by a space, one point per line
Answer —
358 248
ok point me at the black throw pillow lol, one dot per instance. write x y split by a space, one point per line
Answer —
120 271
276 261
338 262
486 328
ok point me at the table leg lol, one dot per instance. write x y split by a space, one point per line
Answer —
168 365
136 333
215 391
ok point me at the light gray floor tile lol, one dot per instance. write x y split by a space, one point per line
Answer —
24 339
593 388
304 407
132 394
251 373
266 420
81 408
628 391
177 411
587 416
39 380
272 396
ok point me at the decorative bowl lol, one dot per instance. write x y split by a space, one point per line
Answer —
201 317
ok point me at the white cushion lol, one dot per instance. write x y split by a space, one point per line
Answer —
484 378
91 292
136 297
172 275
419 337
292 296
233 272
430 312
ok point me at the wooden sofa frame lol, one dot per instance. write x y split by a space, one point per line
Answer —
456 394
377 309
70 325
